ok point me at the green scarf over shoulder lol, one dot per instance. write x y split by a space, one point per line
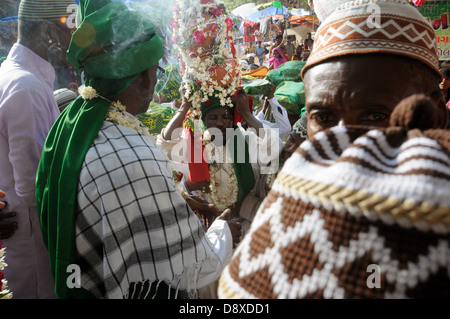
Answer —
113 45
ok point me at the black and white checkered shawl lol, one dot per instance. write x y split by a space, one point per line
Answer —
132 225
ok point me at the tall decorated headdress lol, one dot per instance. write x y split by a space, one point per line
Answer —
202 33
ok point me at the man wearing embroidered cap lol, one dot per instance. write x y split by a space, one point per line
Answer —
364 63
106 197
360 209
27 111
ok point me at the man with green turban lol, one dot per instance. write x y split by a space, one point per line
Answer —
112 219
238 151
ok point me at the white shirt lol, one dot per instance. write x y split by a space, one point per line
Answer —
281 118
263 153
28 109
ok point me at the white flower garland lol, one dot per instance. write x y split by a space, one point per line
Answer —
229 198
4 291
88 92
117 112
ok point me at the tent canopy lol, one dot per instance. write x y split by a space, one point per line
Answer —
244 10
304 20
267 12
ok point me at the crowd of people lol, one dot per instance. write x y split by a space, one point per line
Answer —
293 207
286 50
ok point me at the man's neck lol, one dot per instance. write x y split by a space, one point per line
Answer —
38 49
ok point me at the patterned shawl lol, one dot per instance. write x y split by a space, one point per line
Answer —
354 213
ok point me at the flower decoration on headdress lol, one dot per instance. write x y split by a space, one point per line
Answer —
202 33
4 292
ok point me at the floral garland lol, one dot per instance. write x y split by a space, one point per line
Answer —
4 292
117 112
201 33
229 199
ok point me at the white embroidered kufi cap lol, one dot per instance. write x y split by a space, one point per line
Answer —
375 26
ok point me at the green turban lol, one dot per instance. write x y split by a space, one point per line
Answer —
112 45
213 102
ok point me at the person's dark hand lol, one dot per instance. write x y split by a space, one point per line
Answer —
185 103
241 102
273 88
265 105
7 228
198 186
207 212
184 99
234 224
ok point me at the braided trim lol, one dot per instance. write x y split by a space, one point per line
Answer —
224 290
359 202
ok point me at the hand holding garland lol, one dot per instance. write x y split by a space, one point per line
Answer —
240 99
180 115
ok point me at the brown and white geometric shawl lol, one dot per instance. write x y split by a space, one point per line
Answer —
354 213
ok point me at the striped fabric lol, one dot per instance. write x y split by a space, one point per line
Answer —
133 227
355 213
37 10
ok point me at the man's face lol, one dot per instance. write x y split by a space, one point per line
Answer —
220 118
445 83
251 60
355 90
57 50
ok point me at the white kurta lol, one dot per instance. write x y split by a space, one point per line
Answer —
27 112
280 115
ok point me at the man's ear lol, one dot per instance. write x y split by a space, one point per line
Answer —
148 78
